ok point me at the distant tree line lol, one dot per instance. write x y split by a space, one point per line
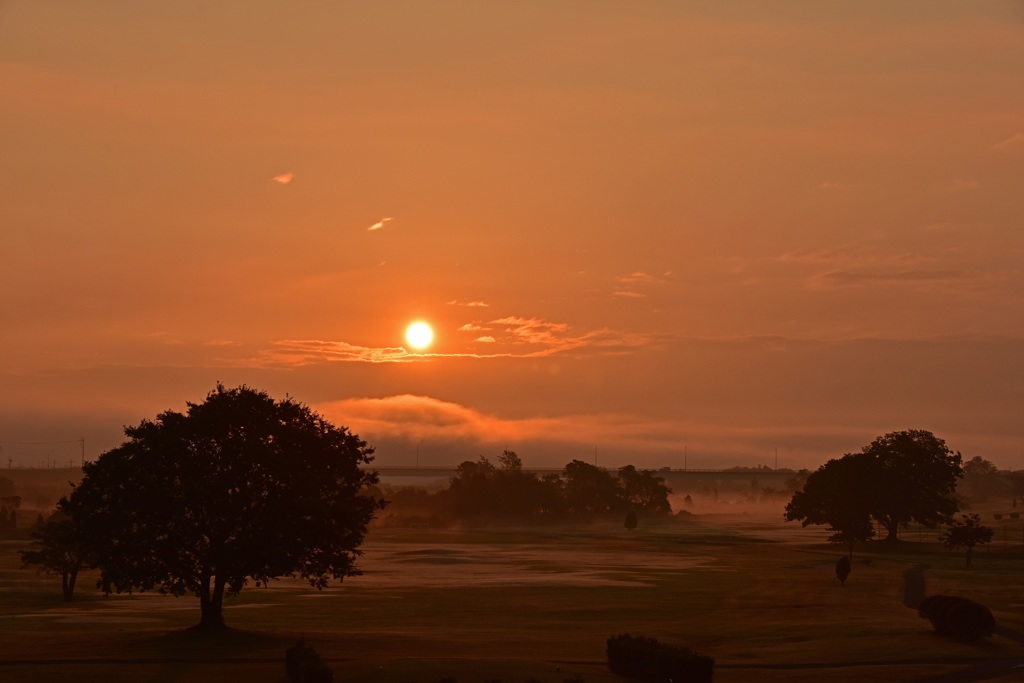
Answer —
484 490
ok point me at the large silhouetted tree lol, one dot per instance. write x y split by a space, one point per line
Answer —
897 478
915 480
238 488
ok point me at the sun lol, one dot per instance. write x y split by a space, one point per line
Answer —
419 335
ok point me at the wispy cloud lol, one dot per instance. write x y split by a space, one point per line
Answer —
284 178
626 294
380 224
299 352
469 304
1015 139
518 338
634 278
833 185
858 255
544 338
868 278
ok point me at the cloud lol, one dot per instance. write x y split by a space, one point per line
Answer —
283 178
470 304
299 352
379 224
620 436
832 185
522 338
839 278
633 278
1015 139
625 294
853 255
553 338
423 418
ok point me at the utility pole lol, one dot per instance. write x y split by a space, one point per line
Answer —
83 450
776 457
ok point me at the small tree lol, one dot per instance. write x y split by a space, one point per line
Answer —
966 533
509 461
63 550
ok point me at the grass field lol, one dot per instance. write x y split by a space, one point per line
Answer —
513 604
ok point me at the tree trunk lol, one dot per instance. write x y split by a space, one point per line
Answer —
67 581
892 526
969 557
211 603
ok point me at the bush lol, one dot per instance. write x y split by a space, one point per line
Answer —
648 659
303 665
958 617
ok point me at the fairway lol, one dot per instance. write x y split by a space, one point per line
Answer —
519 603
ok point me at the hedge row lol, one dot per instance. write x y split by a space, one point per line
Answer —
648 659
958 617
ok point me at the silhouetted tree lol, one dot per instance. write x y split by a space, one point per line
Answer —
509 461
63 550
836 494
238 488
915 480
644 490
591 490
897 478
966 533
843 568
982 480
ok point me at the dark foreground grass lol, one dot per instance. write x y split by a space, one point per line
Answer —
539 603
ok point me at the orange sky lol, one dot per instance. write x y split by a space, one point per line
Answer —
724 226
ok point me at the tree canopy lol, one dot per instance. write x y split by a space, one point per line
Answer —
238 488
897 478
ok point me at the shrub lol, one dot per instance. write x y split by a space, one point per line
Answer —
958 617
648 659
842 569
303 665
630 522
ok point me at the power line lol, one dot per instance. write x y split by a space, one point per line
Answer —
38 443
